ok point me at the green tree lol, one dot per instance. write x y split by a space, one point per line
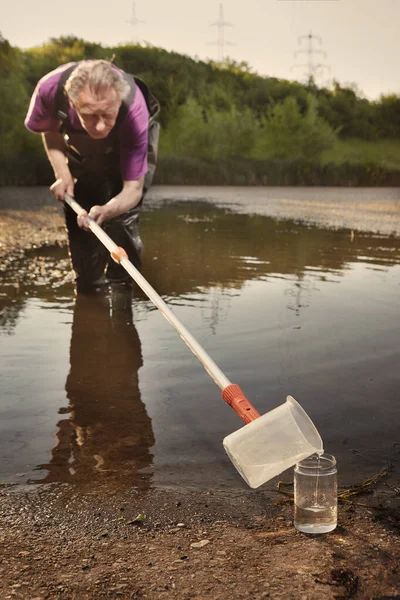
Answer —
290 134
388 116
347 112
14 101
40 60
210 134
208 110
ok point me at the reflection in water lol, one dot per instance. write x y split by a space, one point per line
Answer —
10 307
200 245
108 432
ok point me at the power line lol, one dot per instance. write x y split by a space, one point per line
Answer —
221 42
312 68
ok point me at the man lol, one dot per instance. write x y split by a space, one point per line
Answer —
100 136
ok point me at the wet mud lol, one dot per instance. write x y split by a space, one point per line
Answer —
62 543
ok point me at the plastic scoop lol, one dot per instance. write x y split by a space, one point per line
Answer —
266 445
273 443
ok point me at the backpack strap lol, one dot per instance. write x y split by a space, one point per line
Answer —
152 103
123 110
61 99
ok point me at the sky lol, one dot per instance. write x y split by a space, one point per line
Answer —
358 41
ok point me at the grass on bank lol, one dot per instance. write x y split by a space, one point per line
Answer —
383 152
356 151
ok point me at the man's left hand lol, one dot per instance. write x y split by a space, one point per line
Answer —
96 213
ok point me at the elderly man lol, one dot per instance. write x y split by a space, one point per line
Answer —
100 136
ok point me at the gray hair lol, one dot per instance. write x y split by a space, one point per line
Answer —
98 76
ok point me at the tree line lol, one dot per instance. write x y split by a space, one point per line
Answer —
216 112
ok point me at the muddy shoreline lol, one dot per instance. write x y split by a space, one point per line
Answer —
62 541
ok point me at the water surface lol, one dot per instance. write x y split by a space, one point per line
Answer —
103 389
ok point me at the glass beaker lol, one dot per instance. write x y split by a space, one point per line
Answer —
315 494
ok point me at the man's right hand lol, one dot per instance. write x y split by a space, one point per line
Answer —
62 187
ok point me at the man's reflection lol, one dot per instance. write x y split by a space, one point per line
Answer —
108 432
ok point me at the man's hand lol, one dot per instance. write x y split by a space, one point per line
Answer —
129 197
62 187
96 213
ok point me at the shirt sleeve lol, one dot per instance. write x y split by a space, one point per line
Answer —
41 116
134 139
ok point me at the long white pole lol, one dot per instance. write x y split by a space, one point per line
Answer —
212 369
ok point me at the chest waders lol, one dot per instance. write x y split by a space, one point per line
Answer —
95 164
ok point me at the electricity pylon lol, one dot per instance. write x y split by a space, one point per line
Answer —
313 69
221 42
134 20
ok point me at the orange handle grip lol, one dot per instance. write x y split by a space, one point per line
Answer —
118 254
236 399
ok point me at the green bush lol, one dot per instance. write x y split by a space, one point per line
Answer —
209 134
289 134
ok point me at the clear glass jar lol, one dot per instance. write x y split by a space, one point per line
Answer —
315 494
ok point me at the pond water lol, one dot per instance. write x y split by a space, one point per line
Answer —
103 389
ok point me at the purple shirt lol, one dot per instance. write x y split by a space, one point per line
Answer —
133 132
